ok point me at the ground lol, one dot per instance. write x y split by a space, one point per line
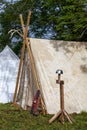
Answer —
13 118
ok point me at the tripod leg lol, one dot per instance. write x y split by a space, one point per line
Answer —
54 117
67 116
62 117
70 117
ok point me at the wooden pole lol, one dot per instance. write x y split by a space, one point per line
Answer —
62 112
35 73
19 71
25 31
27 25
62 99
22 23
27 44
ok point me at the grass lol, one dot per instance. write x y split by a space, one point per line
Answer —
13 118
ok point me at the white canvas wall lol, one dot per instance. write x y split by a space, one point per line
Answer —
71 57
9 63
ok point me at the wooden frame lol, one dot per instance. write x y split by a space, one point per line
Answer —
26 44
62 113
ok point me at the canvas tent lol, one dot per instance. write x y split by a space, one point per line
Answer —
50 55
39 61
9 63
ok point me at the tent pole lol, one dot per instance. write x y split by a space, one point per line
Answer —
22 23
27 44
35 74
25 31
19 71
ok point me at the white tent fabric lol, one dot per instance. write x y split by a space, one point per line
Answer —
9 63
71 57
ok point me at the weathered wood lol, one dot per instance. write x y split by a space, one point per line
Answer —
43 106
29 86
54 117
27 45
32 62
62 95
22 24
62 112
67 116
21 83
25 31
27 25
70 117
62 116
19 71
35 74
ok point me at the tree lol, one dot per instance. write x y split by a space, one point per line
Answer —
51 19
73 21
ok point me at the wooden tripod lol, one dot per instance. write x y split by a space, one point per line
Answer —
26 45
62 113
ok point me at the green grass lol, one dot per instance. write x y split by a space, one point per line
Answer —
13 118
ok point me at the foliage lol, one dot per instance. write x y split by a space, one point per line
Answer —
51 19
14 118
